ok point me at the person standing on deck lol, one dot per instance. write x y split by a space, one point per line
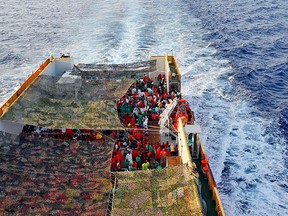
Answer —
172 149
158 153
163 157
145 123
138 160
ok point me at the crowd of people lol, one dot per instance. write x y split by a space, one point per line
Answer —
145 156
143 103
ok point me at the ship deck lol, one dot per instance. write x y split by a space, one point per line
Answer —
48 176
205 191
48 104
169 191
85 98
64 173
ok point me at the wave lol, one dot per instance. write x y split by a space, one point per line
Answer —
233 77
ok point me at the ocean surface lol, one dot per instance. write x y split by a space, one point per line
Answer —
233 56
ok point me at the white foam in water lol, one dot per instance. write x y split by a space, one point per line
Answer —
234 135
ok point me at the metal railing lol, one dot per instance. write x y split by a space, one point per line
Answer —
212 185
111 195
23 87
187 157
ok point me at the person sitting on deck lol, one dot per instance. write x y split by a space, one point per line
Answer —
128 157
157 165
132 167
145 166
98 136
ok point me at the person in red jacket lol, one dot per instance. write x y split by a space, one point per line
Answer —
158 155
163 157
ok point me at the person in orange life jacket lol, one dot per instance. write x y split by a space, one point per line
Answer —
153 116
138 135
145 79
114 164
133 102
120 156
134 154
114 133
135 96
115 150
163 157
157 145
166 144
135 165
130 137
98 136
141 104
149 155
118 166
172 95
127 119
132 122
158 153
165 95
139 145
152 81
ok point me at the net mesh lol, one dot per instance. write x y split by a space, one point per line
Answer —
53 105
42 176
169 191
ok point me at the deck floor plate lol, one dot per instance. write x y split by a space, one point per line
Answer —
205 192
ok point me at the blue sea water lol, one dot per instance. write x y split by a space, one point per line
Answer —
233 59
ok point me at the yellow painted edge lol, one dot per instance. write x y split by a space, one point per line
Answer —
11 100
